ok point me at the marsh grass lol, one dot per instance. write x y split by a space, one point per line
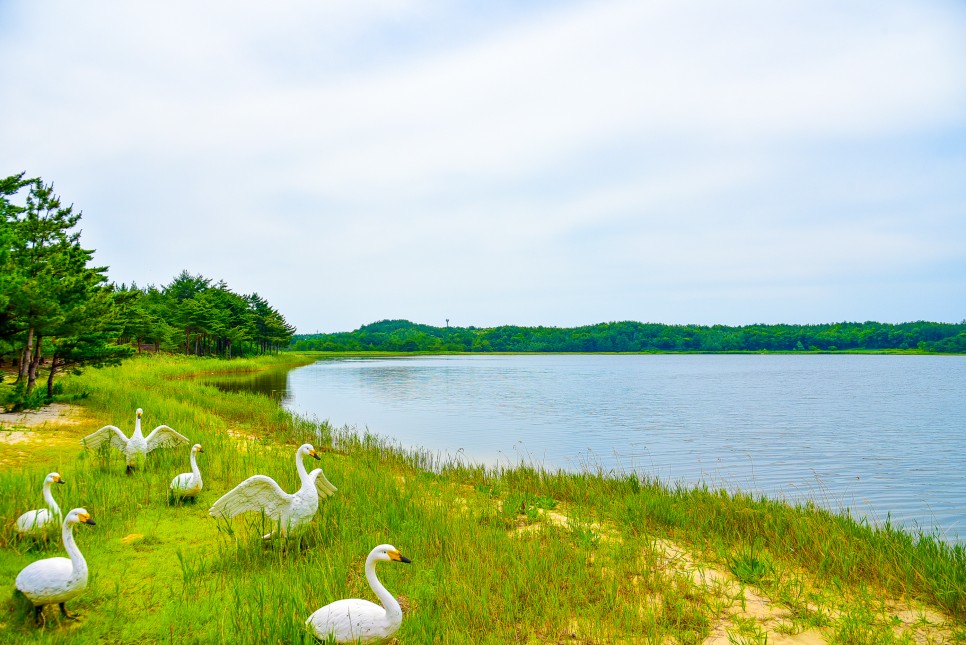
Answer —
499 555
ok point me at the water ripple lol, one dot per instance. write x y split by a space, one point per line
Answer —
884 436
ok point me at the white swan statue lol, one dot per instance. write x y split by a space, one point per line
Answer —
37 521
188 485
138 446
57 580
290 511
360 621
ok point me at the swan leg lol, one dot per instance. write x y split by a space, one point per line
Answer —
39 615
63 610
130 469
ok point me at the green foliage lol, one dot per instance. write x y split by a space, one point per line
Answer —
751 566
404 336
59 314
56 308
193 316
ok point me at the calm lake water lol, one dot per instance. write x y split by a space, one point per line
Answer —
877 434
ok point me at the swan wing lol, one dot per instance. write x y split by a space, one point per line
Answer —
45 579
165 437
32 521
351 620
185 483
110 434
257 493
323 485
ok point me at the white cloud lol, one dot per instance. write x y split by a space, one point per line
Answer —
540 151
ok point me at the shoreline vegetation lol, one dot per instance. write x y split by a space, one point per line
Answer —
499 555
629 336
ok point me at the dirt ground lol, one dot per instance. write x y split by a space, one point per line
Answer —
52 427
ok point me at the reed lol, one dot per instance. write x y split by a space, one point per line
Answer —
499 554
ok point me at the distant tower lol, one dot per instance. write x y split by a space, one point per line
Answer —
447 323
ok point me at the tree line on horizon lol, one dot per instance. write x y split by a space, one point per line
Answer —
630 336
59 312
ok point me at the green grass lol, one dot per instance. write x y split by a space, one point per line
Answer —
499 556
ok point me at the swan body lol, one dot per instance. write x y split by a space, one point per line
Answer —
57 580
360 621
290 511
137 446
37 521
188 484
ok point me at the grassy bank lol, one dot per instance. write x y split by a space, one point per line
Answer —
498 556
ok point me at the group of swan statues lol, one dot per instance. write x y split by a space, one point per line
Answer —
56 580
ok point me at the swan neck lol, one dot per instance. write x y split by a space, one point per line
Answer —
393 610
194 465
300 467
76 558
49 498
137 428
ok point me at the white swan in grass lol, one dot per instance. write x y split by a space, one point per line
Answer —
360 621
138 446
57 580
188 485
37 521
289 511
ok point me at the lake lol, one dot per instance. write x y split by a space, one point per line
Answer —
878 434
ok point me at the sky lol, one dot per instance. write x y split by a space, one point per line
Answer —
553 163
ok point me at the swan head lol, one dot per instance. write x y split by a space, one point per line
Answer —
389 553
54 478
139 412
197 448
79 516
307 449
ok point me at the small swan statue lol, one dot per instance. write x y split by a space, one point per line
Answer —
57 580
188 485
359 621
37 522
138 446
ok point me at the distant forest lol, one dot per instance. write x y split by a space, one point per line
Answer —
405 336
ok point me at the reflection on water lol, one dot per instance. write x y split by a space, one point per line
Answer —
273 383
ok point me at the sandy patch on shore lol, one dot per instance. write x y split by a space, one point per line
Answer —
56 427
55 414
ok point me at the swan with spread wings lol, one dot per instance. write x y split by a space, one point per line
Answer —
138 446
290 511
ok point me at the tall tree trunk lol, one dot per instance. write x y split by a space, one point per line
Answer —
34 362
28 350
50 377
20 369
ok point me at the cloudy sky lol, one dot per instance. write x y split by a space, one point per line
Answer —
534 163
